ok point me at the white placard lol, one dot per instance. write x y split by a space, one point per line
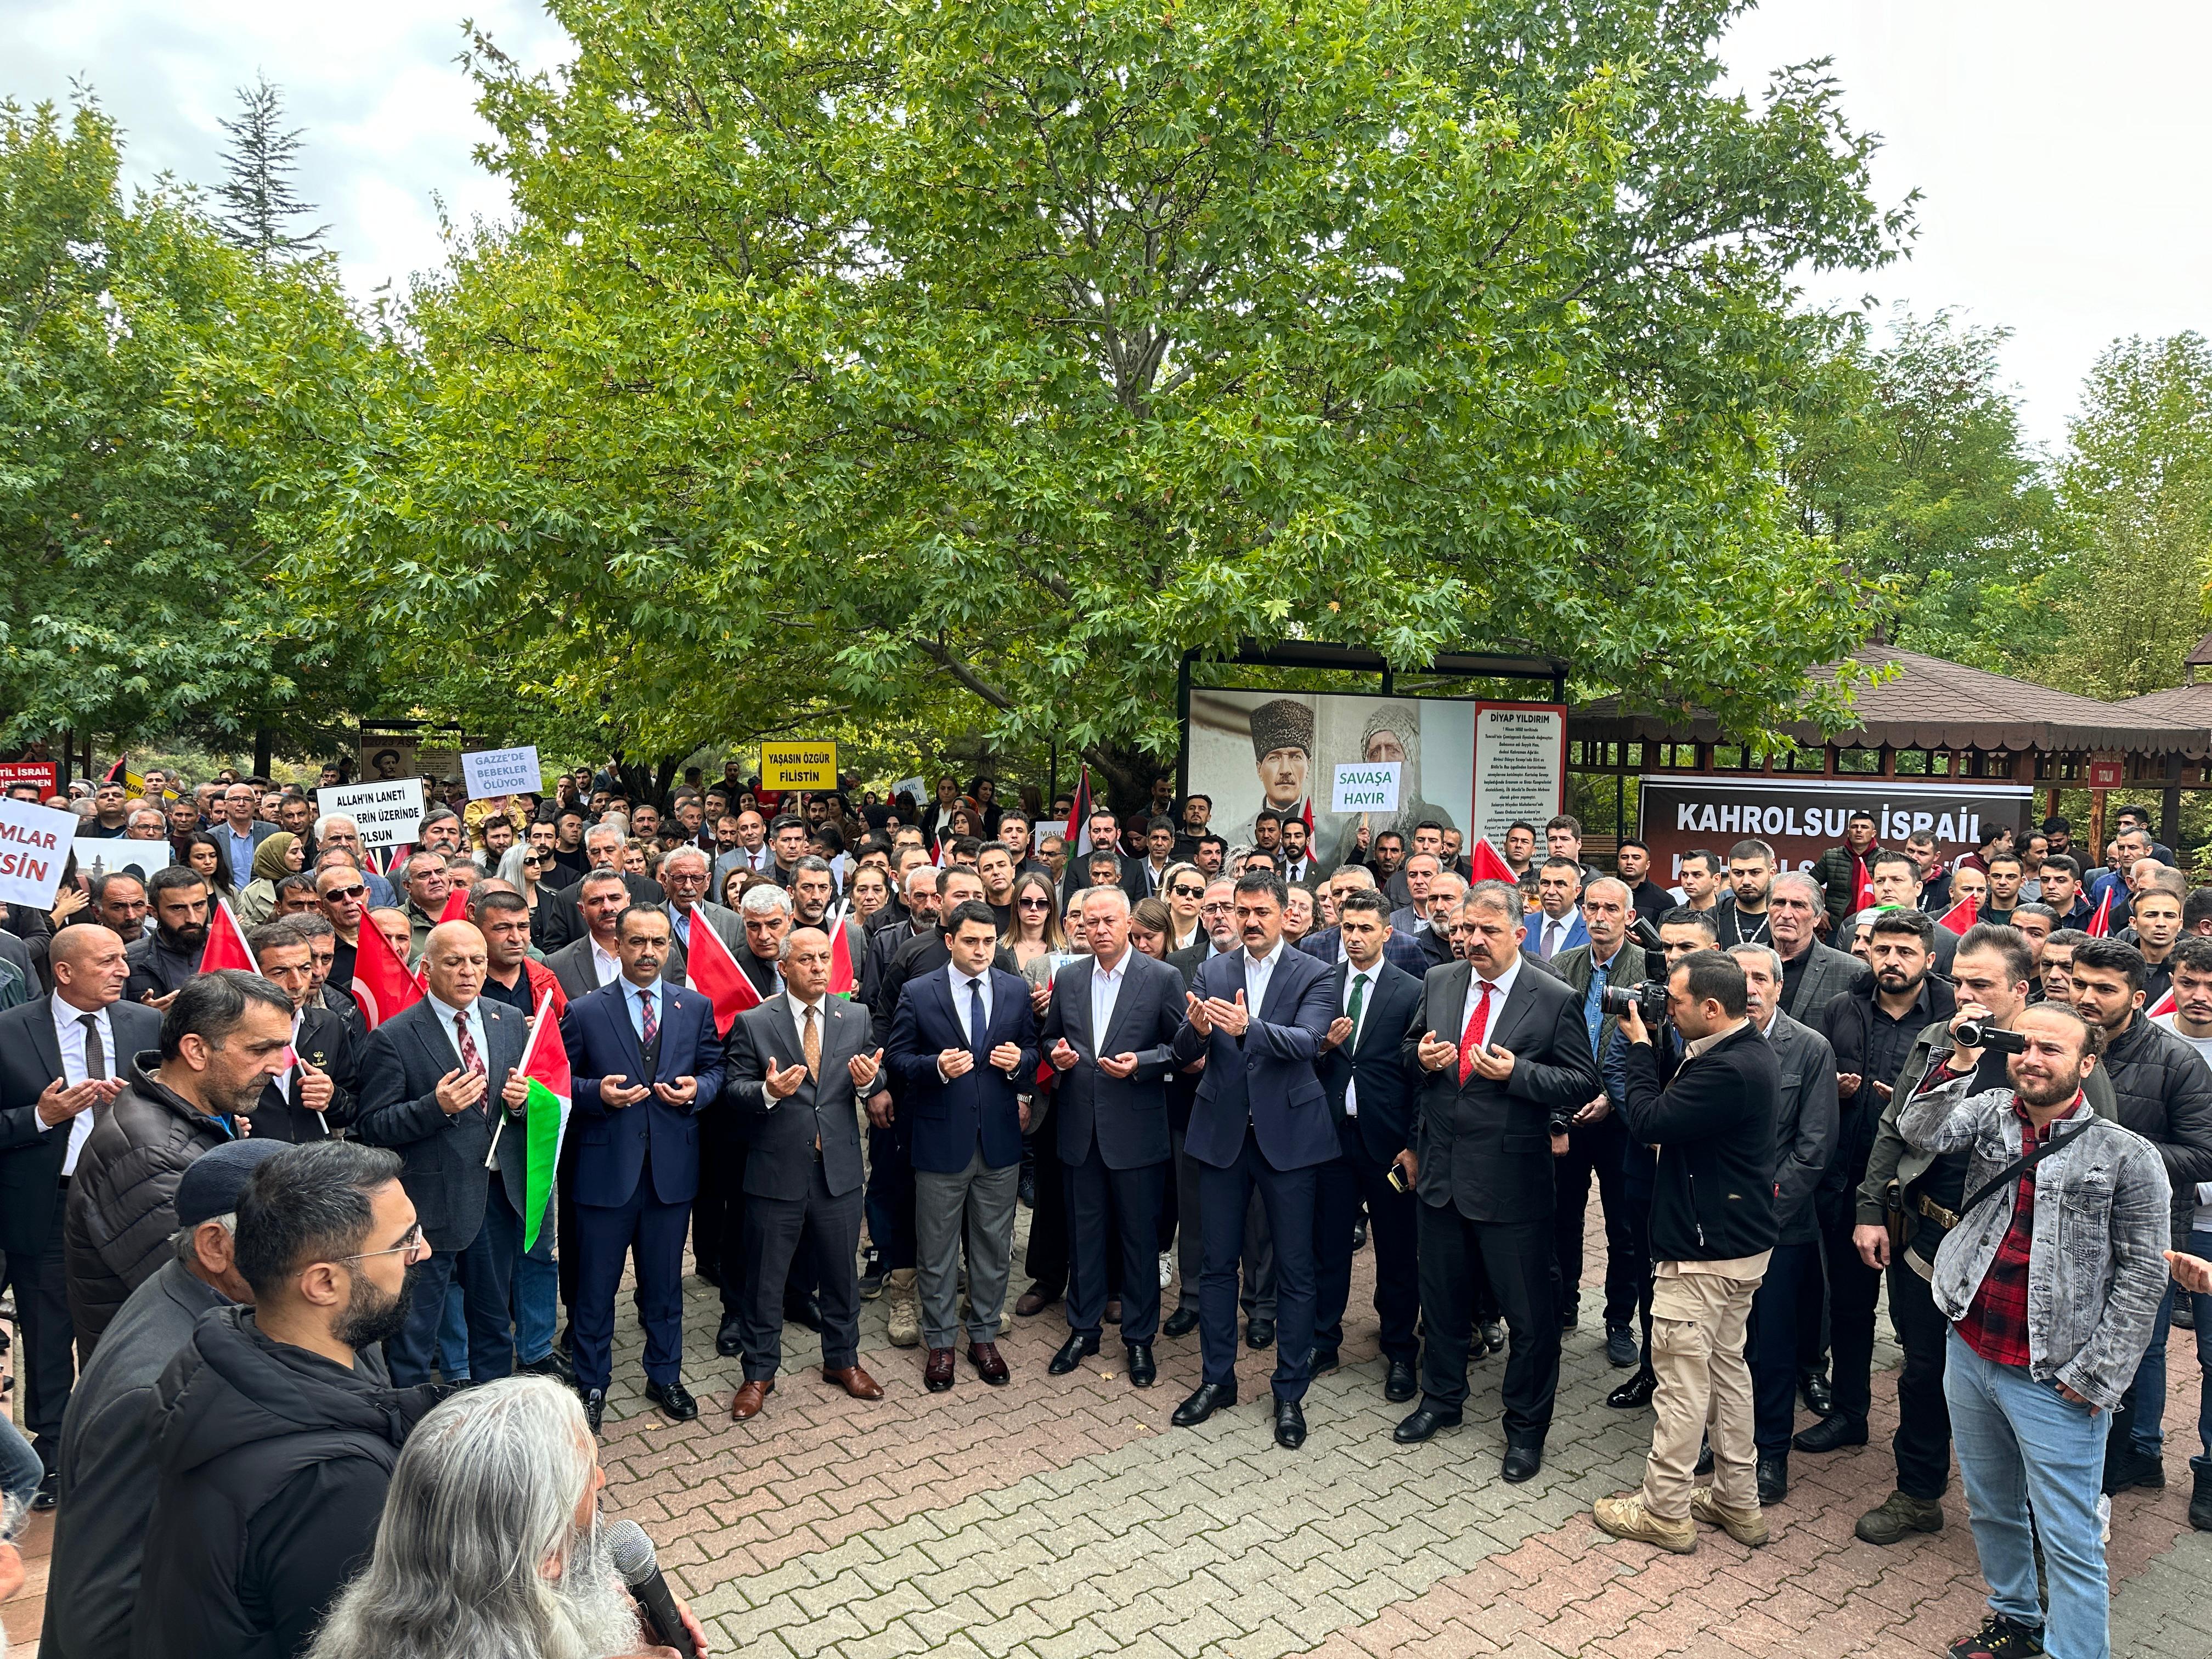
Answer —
34 845
1365 786
1520 765
491 772
387 814
913 786
96 856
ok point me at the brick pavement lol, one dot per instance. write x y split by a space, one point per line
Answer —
1062 1517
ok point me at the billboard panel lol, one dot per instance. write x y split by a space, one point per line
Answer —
1802 818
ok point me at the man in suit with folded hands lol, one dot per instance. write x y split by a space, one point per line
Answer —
962 1049
645 1061
1107 1031
1507 1062
795 1065
1258 1015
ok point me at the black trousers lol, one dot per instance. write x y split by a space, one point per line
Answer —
1793 1272
818 1235
1345 1183
1853 1289
43 1356
1046 1259
1922 1443
718 1214
1114 1212
1522 1266
1595 1149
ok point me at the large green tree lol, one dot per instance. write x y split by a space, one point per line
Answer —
844 355
151 376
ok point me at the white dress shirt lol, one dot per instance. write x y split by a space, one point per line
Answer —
1474 982
1106 995
1355 977
446 1011
1259 971
70 1035
608 968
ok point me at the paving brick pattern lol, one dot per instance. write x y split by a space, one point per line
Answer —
1062 1517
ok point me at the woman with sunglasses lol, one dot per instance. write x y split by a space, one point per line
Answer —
1183 886
1033 932
523 867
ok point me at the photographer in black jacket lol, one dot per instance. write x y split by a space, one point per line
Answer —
1712 1230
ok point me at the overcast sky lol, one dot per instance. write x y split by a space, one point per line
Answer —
2064 178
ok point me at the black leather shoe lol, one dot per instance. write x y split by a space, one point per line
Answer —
1290 1424
1259 1334
1072 1353
1570 1314
1399 1385
1359 1234
1521 1463
50 1483
803 1310
728 1342
1182 1322
1819 1393
1773 1480
1204 1400
1321 1361
1142 1373
552 1365
1493 1333
674 1399
1424 1422
1831 1434
595 1403
1634 1394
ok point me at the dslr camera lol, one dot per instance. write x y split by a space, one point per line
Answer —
1648 999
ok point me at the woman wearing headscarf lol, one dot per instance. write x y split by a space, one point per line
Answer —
279 856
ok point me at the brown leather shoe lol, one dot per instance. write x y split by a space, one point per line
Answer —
1033 1302
937 1375
984 1357
854 1381
750 1398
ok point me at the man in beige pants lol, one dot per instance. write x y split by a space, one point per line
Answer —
1713 1229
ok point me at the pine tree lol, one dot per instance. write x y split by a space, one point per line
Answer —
261 160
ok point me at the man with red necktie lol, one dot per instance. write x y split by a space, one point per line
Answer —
1505 1055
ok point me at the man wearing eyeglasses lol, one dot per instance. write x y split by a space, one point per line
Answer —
684 875
344 835
435 1083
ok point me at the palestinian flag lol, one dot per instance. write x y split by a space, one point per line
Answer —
842 980
711 970
545 1115
1078 819
121 773
226 945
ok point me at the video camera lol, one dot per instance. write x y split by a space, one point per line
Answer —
1980 1034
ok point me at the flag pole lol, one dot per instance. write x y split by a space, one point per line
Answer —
529 1048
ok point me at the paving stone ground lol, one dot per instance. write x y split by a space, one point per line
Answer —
1062 1517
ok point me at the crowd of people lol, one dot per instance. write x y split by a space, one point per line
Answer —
282 1264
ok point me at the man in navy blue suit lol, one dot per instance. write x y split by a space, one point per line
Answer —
434 1079
1260 1120
1109 1030
963 1047
1371 1091
645 1061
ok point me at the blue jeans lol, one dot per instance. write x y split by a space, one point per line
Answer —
454 1337
21 1469
534 1295
2023 1445
2200 1243
2145 1401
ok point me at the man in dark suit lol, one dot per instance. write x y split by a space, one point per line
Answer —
684 874
963 1048
61 1056
315 1096
645 1060
795 1064
1401 950
1597 1144
1370 1097
434 1082
591 960
1812 975
559 915
1517 1061
1261 1121
1107 1031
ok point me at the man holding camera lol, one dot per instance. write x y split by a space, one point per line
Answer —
1497 1095
1712 1232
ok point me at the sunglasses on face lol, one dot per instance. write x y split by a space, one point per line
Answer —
345 892
1186 892
1036 904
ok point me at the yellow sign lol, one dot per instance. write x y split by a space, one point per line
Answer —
799 766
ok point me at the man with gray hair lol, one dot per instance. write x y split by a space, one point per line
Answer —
1806 1124
558 917
491 1543
1812 972
336 830
684 874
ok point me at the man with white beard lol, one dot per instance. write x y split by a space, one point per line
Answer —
491 1543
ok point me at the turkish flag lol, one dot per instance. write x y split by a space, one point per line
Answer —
712 971
381 983
1485 863
1862 888
842 981
2164 1004
2100 925
457 906
1960 916
226 943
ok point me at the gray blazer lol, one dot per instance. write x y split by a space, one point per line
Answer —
784 1132
2096 1268
1829 972
1806 1125
728 928
442 1156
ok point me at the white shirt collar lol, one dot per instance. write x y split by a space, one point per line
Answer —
798 1008
1503 982
446 1011
1267 962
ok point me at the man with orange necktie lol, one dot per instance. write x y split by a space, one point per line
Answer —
1505 1057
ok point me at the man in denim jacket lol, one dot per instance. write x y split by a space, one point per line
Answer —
2048 1322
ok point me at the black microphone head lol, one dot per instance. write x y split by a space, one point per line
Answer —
631 1551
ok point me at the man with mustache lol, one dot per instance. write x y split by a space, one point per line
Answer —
160 962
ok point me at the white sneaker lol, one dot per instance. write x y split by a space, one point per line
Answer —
2105 1517
1166 1269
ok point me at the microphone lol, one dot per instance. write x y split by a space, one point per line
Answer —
631 1551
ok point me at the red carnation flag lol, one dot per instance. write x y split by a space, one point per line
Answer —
2100 925
1485 863
226 943
843 983
381 983
1960 916
712 972
1862 888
